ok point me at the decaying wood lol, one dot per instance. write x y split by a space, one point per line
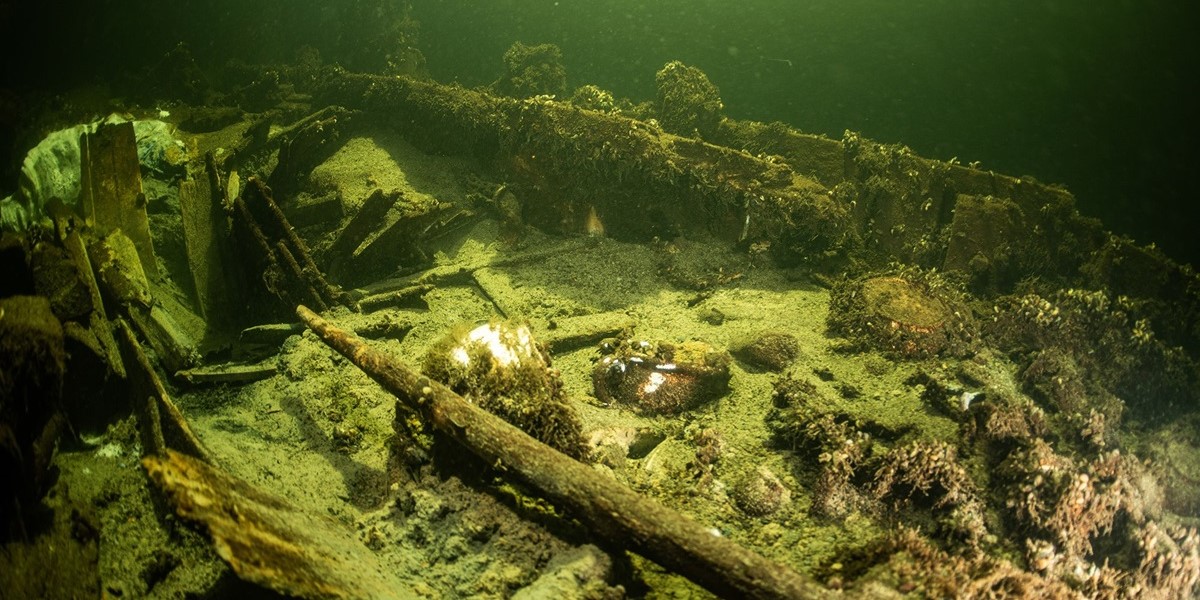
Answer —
67 225
372 212
610 509
495 286
139 366
565 161
230 373
408 297
400 243
289 271
261 341
111 187
308 143
206 237
174 348
115 261
267 540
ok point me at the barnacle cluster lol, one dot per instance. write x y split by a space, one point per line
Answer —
593 97
533 70
500 367
1087 350
910 314
688 103
931 472
832 440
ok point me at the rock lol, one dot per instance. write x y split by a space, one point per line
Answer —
771 350
761 493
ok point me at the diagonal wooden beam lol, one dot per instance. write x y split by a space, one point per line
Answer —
612 510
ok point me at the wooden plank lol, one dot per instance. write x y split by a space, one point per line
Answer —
206 239
160 406
368 218
111 187
268 540
228 373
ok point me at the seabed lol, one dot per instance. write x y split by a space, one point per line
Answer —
932 380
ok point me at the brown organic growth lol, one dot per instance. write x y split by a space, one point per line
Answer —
660 349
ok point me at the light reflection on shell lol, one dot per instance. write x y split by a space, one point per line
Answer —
649 384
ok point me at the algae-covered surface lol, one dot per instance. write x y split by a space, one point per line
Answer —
907 458
918 442
282 433
897 376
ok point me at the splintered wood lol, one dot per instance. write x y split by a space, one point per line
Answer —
267 540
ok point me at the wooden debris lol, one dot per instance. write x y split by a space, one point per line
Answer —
308 143
412 296
288 270
151 386
267 540
398 244
372 212
111 187
228 373
206 239
261 341
115 260
606 507
498 289
392 325
306 211
67 225
174 348
60 279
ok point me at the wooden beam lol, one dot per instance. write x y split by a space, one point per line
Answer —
609 509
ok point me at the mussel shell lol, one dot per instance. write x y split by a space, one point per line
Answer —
651 386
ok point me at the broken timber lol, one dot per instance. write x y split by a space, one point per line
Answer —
612 510
269 541
111 187
806 199
372 212
642 181
288 270
159 403
206 239
228 373
67 225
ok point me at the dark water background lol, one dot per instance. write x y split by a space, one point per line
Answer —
1093 94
